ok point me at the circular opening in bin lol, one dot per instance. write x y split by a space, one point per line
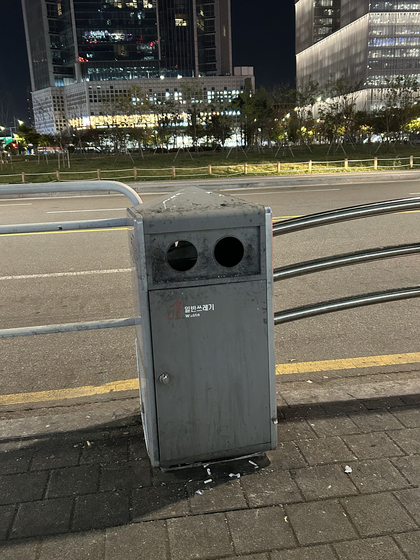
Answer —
181 255
229 251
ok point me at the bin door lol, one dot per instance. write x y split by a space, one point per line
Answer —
211 367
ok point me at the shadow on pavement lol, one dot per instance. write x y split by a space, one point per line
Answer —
101 477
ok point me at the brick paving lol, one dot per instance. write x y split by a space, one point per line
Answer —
343 484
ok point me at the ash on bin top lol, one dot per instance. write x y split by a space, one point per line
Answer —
194 203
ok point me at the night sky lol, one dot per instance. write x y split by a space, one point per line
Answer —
261 38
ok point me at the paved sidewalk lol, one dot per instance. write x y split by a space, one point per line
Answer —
343 484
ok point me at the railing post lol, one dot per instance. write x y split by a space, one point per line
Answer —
310 166
209 168
135 173
57 175
173 172
98 173
23 176
375 163
346 163
411 162
278 167
245 168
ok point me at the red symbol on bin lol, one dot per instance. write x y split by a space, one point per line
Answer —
175 310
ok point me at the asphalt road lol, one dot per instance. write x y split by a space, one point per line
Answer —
80 276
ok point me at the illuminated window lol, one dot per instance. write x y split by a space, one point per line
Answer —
181 20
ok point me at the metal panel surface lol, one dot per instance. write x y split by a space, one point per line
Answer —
143 336
212 371
207 268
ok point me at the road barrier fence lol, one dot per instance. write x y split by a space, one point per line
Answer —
279 228
275 168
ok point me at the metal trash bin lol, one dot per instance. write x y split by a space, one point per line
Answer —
202 282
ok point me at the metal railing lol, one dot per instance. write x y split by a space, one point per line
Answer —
215 169
66 226
346 259
279 228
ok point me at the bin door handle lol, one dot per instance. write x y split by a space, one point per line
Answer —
164 378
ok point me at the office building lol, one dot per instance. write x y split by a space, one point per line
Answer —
366 41
79 46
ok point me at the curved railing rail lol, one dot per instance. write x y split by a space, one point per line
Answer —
347 259
344 303
345 214
71 186
74 186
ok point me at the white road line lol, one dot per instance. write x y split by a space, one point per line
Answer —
286 192
92 210
29 204
351 183
59 274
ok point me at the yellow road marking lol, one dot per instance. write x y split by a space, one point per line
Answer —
281 369
350 363
72 393
285 218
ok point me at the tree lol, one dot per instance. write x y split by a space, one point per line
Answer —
166 119
90 137
302 123
338 108
128 111
133 106
399 107
193 99
29 135
46 140
219 128
256 115
140 135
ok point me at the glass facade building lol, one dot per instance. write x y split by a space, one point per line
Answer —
367 42
71 41
84 54
115 39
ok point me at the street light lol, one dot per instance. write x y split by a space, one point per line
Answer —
17 123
